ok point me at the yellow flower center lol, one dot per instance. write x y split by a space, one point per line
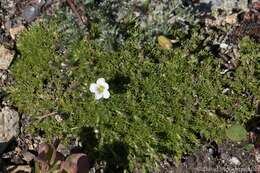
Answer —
101 89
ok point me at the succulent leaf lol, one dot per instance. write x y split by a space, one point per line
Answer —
236 133
45 152
76 163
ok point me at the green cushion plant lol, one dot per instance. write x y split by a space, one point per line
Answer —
160 99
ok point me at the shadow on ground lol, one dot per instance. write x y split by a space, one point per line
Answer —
115 154
119 83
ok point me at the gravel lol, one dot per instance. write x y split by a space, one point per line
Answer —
235 161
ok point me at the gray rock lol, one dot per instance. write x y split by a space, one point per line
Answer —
227 5
3 77
9 126
6 57
30 13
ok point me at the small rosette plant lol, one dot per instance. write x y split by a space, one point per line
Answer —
49 160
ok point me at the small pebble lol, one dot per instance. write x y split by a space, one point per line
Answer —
15 31
231 19
3 77
211 151
234 161
27 156
257 157
223 46
225 90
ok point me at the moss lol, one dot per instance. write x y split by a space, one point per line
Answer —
160 99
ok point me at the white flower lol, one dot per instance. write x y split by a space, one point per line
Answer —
100 89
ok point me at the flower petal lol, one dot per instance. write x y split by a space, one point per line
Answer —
106 94
93 88
98 96
105 85
101 81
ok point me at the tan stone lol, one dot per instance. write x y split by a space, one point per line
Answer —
16 30
9 126
231 19
6 57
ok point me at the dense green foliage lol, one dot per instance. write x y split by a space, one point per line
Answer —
160 99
